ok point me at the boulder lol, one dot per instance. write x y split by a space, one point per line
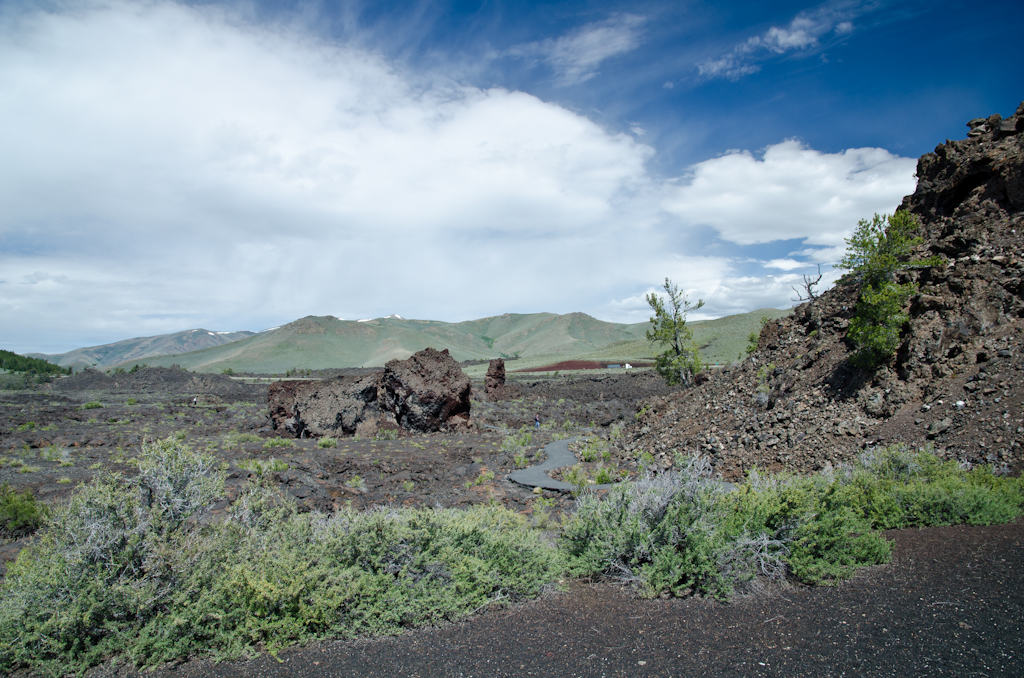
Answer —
329 407
494 382
423 392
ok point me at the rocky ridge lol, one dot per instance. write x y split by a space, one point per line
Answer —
957 380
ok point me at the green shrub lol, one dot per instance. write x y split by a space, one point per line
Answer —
879 321
592 449
56 453
20 513
604 475
577 477
92 405
897 487
105 581
484 477
327 442
680 532
516 443
263 467
271 443
386 434
237 439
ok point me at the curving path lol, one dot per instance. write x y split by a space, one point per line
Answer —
558 456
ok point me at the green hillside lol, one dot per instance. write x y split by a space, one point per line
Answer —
140 349
319 342
722 341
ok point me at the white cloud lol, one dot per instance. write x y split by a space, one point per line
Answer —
785 264
792 192
169 167
178 165
575 57
803 32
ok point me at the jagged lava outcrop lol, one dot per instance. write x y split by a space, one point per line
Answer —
957 380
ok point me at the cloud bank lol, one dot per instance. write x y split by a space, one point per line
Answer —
169 167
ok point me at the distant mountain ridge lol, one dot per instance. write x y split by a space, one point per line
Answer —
318 342
141 348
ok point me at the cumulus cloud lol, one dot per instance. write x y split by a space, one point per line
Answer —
575 57
792 192
185 166
169 167
804 32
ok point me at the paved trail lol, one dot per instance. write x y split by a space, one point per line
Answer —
558 456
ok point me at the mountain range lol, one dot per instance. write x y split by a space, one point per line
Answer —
319 342
141 348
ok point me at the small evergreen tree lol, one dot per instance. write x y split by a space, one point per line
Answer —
681 361
878 250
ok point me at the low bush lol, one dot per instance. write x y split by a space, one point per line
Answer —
517 442
327 442
92 405
484 477
896 487
238 439
263 467
20 512
680 532
128 569
271 443
592 448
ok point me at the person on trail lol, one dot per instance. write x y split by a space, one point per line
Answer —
194 401
536 422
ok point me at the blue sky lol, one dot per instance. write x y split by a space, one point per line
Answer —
238 165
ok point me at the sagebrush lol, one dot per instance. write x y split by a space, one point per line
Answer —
681 532
129 568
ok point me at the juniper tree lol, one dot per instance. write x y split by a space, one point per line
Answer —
681 360
876 252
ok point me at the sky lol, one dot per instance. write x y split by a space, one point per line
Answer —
238 165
